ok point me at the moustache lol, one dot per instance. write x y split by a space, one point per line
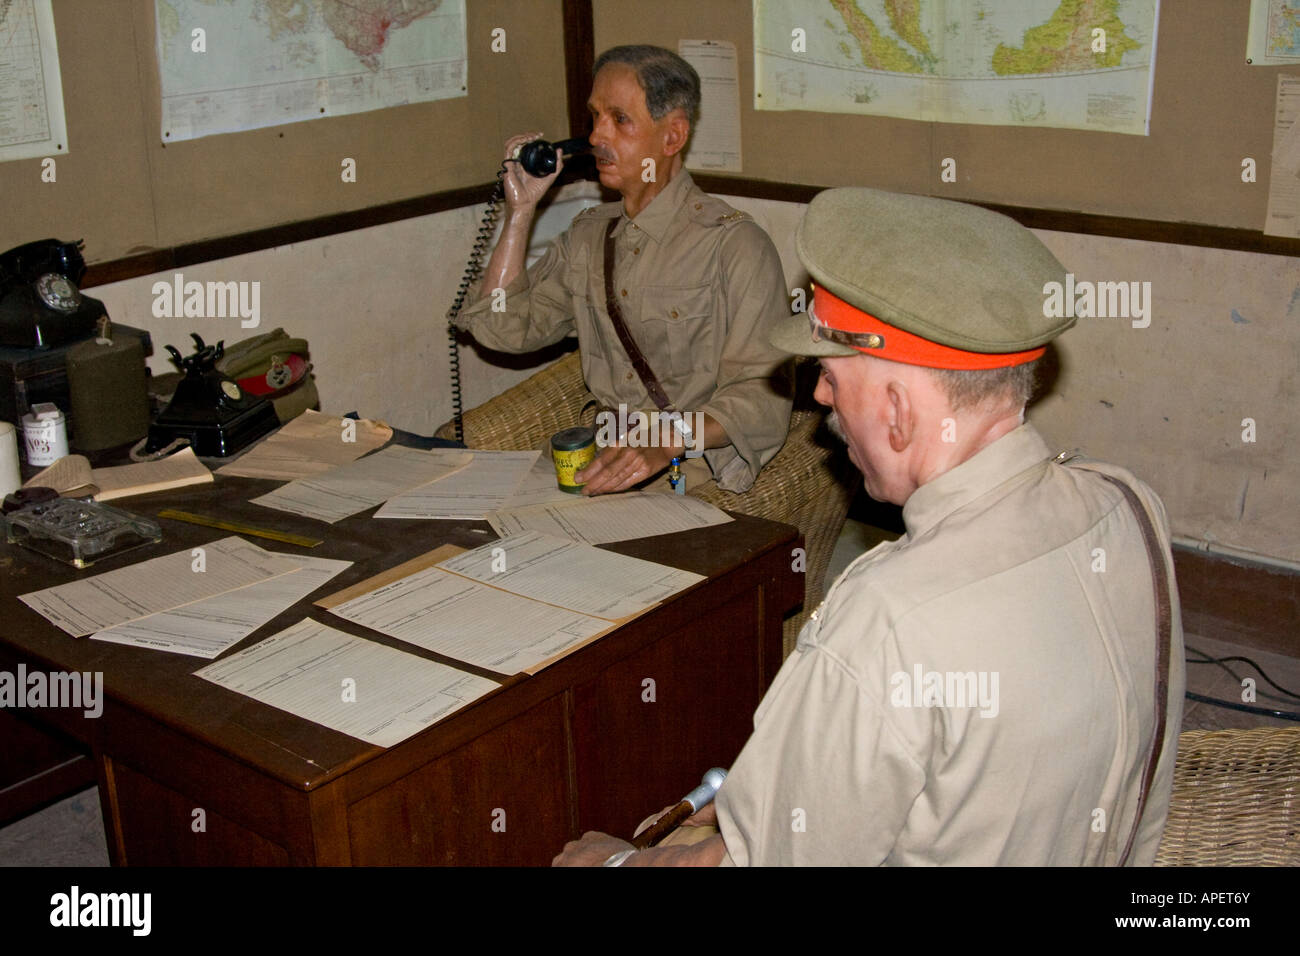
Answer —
604 154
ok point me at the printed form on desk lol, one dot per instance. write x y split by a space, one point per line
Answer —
302 668
606 518
336 494
485 483
212 626
515 605
159 584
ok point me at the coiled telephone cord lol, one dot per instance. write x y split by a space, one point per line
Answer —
473 270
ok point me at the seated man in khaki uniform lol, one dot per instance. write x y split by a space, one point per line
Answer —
1004 684
698 285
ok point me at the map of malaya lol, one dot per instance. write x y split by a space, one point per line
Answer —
264 62
1077 63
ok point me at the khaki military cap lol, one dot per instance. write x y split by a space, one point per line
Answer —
923 281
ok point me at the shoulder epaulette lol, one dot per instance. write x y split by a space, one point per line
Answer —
708 211
606 210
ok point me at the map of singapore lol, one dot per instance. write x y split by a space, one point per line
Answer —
1077 63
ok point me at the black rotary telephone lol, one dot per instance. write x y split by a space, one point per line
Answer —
40 304
209 410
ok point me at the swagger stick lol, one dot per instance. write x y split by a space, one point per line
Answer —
693 802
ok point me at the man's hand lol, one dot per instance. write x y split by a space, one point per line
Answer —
523 190
592 850
619 467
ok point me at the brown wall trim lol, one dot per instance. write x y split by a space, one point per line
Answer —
206 250
1059 220
579 56
1250 604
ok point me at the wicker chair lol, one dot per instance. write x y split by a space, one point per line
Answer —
807 484
1236 799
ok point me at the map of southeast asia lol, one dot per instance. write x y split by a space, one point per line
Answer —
1082 64
229 65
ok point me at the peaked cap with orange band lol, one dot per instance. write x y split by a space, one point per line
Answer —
921 281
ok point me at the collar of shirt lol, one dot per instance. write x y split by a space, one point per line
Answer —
1007 457
655 218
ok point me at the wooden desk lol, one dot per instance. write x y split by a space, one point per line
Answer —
586 744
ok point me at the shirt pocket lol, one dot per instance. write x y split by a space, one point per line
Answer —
677 323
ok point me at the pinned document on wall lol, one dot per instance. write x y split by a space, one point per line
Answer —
1284 170
32 121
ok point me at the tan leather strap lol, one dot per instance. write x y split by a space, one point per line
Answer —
1164 634
639 363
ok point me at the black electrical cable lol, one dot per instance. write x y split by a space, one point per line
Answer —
1235 705
1245 660
473 269
1244 708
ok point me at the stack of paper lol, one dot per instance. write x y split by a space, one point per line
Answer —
334 495
308 445
72 476
515 605
199 601
486 483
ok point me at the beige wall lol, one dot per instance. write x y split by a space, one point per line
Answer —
1168 401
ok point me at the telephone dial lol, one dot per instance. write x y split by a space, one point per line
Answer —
40 304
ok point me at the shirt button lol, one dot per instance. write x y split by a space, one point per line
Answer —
625 292
636 251
629 376
698 206
674 313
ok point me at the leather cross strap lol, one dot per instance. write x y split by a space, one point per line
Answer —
639 363
1164 634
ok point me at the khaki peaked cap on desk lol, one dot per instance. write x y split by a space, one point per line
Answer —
924 281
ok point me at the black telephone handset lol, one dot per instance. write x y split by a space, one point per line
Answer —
40 304
539 157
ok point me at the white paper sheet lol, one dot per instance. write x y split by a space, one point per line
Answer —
32 119
571 575
348 489
471 622
599 520
715 140
159 584
469 494
211 627
1284 173
357 687
539 486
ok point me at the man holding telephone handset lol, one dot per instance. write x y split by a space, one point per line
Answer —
696 285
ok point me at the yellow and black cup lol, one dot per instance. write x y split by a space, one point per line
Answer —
572 449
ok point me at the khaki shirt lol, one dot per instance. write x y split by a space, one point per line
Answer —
1014 566
700 285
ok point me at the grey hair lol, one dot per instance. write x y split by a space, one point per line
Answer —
1013 385
669 82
